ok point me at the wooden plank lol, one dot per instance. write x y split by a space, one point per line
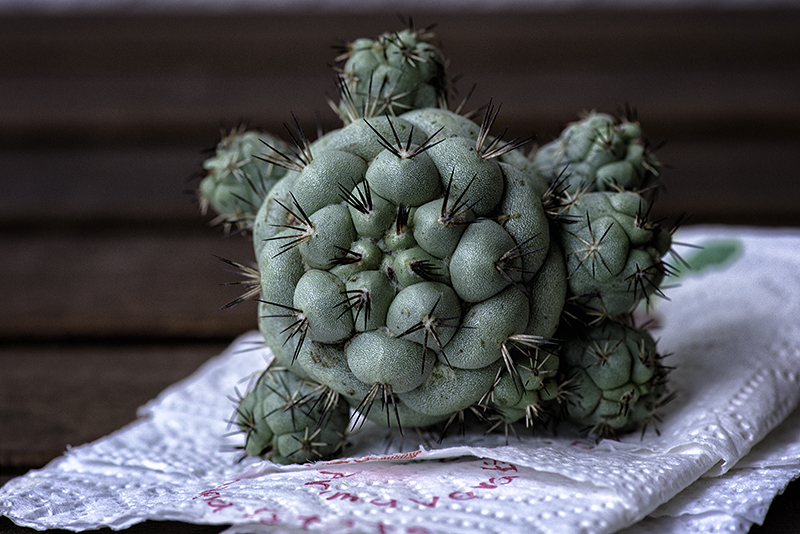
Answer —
491 39
746 180
190 108
121 282
147 527
89 183
44 409
101 78
100 123
749 182
161 283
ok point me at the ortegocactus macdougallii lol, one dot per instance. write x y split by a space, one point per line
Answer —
405 267
289 420
600 153
412 259
392 74
236 179
616 377
613 251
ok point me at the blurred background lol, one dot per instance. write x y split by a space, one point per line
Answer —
108 279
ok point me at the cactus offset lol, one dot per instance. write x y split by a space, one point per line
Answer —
392 74
237 180
617 378
289 420
600 153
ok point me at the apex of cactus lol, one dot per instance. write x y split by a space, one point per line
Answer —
392 74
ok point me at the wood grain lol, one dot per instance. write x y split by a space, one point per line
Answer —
733 181
121 282
101 79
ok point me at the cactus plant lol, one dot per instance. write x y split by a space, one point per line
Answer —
601 153
394 73
617 377
412 257
236 179
289 420
414 265
614 253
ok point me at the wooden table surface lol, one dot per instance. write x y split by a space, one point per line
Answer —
109 283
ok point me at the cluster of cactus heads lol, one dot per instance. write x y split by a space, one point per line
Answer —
414 267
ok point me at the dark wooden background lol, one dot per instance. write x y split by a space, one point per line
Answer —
108 282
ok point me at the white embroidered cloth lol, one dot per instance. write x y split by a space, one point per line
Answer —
728 443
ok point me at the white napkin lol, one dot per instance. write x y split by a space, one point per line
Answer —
735 342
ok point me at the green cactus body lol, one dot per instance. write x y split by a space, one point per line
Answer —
616 377
236 180
613 253
284 419
392 74
417 235
599 153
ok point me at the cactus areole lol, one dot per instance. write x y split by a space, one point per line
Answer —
413 267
